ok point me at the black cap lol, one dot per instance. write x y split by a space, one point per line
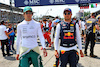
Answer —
2 22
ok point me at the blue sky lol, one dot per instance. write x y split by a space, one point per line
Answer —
56 10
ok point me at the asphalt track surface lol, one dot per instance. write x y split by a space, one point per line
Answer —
10 61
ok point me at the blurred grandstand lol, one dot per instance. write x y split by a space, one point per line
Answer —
10 14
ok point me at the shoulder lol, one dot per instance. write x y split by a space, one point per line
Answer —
3 25
77 24
35 22
21 23
7 28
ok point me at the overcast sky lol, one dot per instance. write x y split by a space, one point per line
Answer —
56 10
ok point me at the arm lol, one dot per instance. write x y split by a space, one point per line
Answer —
57 34
50 27
18 41
78 37
10 32
85 26
42 40
6 33
56 41
52 32
97 27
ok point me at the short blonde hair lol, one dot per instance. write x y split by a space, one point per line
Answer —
9 24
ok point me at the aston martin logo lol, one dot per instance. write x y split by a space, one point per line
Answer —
51 1
77 1
26 2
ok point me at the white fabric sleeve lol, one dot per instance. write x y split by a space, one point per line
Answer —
18 39
78 37
5 29
52 32
57 34
40 34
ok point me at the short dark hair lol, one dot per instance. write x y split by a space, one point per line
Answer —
44 19
56 17
93 14
2 22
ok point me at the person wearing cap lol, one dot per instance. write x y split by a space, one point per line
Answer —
54 24
68 32
4 39
91 26
27 32
46 31
11 35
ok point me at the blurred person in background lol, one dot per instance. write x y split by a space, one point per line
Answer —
53 30
83 30
11 34
46 33
91 26
4 39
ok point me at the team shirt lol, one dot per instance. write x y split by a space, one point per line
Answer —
27 32
78 39
3 36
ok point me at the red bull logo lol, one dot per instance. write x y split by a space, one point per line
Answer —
69 35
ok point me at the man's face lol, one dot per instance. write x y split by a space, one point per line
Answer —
10 26
28 15
40 21
67 15
44 21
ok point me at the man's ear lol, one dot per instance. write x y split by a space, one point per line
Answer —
23 14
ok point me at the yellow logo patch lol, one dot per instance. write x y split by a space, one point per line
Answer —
68 34
71 24
62 51
89 21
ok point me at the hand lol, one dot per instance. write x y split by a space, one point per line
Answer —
81 53
52 42
56 54
44 52
48 31
17 57
8 37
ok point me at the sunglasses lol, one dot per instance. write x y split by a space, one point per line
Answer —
67 13
29 12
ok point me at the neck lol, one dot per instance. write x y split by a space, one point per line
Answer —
67 20
28 19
